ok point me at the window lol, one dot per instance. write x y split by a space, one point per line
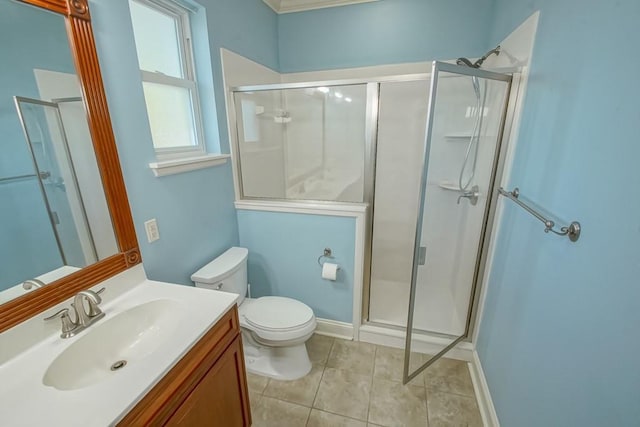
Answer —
163 42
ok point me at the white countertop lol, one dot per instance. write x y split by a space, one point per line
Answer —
26 401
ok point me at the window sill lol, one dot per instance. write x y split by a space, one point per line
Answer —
171 167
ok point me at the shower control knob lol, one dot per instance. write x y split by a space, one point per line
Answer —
471 195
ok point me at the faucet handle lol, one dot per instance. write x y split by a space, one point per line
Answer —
94 310
93 306
68 325
61 313
93 298
27 285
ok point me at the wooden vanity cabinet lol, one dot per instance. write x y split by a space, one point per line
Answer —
208 386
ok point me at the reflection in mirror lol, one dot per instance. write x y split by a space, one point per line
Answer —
54 218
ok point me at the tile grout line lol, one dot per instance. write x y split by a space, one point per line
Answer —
436 389
426 390
342 416
324 368
308 416
426 400
373 370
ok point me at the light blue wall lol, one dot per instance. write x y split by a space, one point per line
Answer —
383 32
247 27
558 341
195 212
283 254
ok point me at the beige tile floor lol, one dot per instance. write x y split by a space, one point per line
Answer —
356 384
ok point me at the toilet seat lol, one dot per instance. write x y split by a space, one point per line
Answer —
277 318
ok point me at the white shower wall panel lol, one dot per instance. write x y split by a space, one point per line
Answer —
401 135
304 134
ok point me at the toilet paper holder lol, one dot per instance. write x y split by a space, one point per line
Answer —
326 254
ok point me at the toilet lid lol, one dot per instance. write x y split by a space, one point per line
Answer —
278 313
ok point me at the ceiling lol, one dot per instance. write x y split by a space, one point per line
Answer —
287 6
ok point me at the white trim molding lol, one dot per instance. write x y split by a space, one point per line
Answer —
288 6
171 167
311 208
483 396
335 329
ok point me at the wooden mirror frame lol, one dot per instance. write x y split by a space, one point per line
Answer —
85 57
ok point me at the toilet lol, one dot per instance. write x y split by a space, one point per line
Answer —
274 329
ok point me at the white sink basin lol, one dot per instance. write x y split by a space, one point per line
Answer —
47 380
115 345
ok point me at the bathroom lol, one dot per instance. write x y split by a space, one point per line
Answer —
545 322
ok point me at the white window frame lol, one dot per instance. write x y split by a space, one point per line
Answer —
181 15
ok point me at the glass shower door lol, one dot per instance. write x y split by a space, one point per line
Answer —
54 168
464 127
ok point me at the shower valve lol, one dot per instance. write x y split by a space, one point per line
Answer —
471 195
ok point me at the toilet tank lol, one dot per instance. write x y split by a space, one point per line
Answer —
227 273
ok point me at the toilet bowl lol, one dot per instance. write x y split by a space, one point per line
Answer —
274 329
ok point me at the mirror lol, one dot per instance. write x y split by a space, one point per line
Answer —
65 219
55 217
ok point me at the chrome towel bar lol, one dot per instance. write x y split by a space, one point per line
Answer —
16 178
572 231
41 175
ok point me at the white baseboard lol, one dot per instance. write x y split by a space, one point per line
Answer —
333 328
423 344
483 396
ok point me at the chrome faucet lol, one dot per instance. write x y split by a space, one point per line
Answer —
86 318
32 283
471 195
83 318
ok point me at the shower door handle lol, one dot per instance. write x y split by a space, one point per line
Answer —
422 255
54 217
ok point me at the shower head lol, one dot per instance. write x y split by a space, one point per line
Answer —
479 62
495 50
465 61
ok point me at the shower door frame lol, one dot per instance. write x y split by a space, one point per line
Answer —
66 151
497 170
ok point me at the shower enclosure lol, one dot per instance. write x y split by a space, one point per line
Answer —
422 150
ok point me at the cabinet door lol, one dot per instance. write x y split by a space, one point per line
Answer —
220 399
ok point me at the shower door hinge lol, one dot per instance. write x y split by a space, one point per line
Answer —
422 255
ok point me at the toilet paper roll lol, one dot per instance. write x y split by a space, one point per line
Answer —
329 271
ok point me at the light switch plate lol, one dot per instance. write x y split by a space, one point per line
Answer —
151 227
